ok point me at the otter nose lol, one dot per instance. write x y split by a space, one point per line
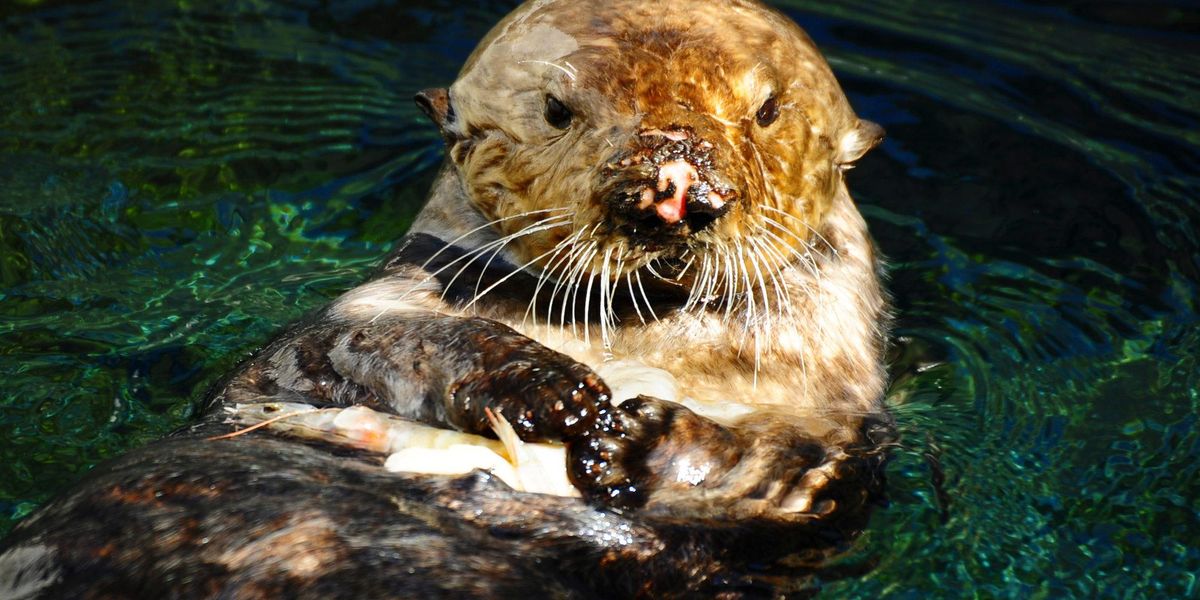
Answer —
681 191
675 179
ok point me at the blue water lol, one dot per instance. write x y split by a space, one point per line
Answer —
178 180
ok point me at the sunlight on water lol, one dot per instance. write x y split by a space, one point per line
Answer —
181 180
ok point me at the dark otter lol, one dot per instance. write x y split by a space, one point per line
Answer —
632 195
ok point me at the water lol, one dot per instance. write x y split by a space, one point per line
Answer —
178 180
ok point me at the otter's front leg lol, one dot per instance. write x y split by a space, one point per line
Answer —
674 464
439 369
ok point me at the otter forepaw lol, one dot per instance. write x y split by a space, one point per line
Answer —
632 462
674 464
545 395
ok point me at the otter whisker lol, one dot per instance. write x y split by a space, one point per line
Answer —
750 326
764 250
615 286
753 256
806 258
547 273
827 243
460 238
565 262
569 267
687 266
570 75
605 298
572 266
702 289
586 263
744 299
697 287
710 281
782 242
807 286
784 262
691 258
522 232
805 244
806 225
782 293
508 276
708 284
619 268
584 271
587 304
729 279
808 245
653 271
649 306
751 306
470 257
713 283
767 323
633 297
473 253
535 227
498 245
577 282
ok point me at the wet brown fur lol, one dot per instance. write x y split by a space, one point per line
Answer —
707 66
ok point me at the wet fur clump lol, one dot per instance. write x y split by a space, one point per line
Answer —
652 194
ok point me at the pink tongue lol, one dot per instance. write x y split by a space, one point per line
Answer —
683 175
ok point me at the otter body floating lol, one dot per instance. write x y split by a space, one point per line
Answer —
639 267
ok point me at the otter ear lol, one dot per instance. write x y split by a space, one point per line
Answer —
435 103
857 142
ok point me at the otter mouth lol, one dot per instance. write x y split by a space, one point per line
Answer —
666 189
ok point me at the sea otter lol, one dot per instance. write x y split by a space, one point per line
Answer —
640 251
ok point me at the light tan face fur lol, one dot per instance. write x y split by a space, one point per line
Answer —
628 66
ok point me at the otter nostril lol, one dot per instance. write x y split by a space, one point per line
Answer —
666 191
703 209
699 221
648 222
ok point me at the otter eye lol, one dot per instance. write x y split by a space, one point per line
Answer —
768 112
557 113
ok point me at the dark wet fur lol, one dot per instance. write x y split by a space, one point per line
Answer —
190 518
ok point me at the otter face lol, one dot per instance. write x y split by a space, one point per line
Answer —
612 137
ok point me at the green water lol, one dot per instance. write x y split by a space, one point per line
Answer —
178 180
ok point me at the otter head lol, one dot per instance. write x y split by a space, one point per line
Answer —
613 136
